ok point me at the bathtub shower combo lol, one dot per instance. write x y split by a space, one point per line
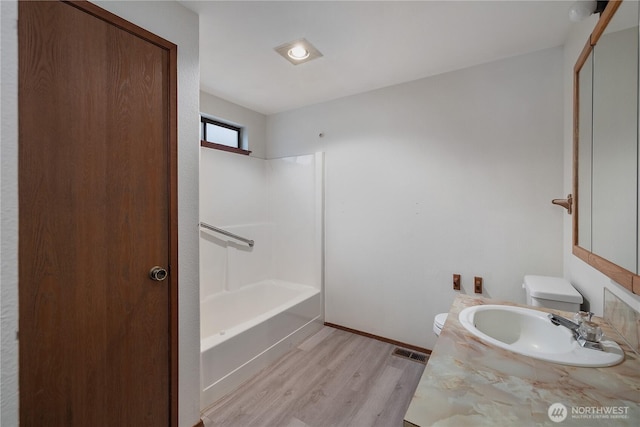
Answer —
261 277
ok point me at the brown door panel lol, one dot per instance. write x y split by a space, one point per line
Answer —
95 209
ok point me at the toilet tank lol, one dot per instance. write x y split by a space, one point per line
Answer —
552 292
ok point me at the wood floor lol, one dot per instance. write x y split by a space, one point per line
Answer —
334 378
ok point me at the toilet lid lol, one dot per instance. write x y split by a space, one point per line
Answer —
440 319
552 288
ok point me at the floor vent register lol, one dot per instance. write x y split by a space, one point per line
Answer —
416 357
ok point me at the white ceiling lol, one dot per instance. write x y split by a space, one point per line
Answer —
366 44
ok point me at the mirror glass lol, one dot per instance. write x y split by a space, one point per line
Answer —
608 143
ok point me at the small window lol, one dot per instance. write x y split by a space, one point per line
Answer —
220 133
221 136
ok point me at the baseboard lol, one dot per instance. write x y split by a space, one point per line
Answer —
379 338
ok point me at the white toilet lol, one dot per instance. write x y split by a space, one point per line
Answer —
552 292
438 323
542 291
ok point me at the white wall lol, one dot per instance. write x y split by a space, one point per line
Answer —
179 25
295 206
9 212
590 282
254 123
449 174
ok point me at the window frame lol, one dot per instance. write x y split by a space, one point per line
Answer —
208 144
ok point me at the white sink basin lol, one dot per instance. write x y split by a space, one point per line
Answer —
530 333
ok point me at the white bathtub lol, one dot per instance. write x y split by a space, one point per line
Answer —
244 330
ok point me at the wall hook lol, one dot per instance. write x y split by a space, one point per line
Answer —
565 203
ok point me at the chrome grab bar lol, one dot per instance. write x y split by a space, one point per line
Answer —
227 233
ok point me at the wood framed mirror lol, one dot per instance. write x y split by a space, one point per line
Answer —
605 147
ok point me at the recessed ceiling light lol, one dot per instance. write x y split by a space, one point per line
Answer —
298 51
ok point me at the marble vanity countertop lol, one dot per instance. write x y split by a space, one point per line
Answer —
470 383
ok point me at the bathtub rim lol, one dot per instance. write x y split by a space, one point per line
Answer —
210 341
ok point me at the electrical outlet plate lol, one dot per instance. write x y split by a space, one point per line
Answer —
477 284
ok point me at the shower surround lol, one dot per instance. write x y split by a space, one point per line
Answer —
257 302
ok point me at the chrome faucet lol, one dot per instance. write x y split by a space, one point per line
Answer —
575 328
559 320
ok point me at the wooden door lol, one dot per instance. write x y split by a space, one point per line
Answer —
97 183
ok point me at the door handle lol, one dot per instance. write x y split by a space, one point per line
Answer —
158 274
